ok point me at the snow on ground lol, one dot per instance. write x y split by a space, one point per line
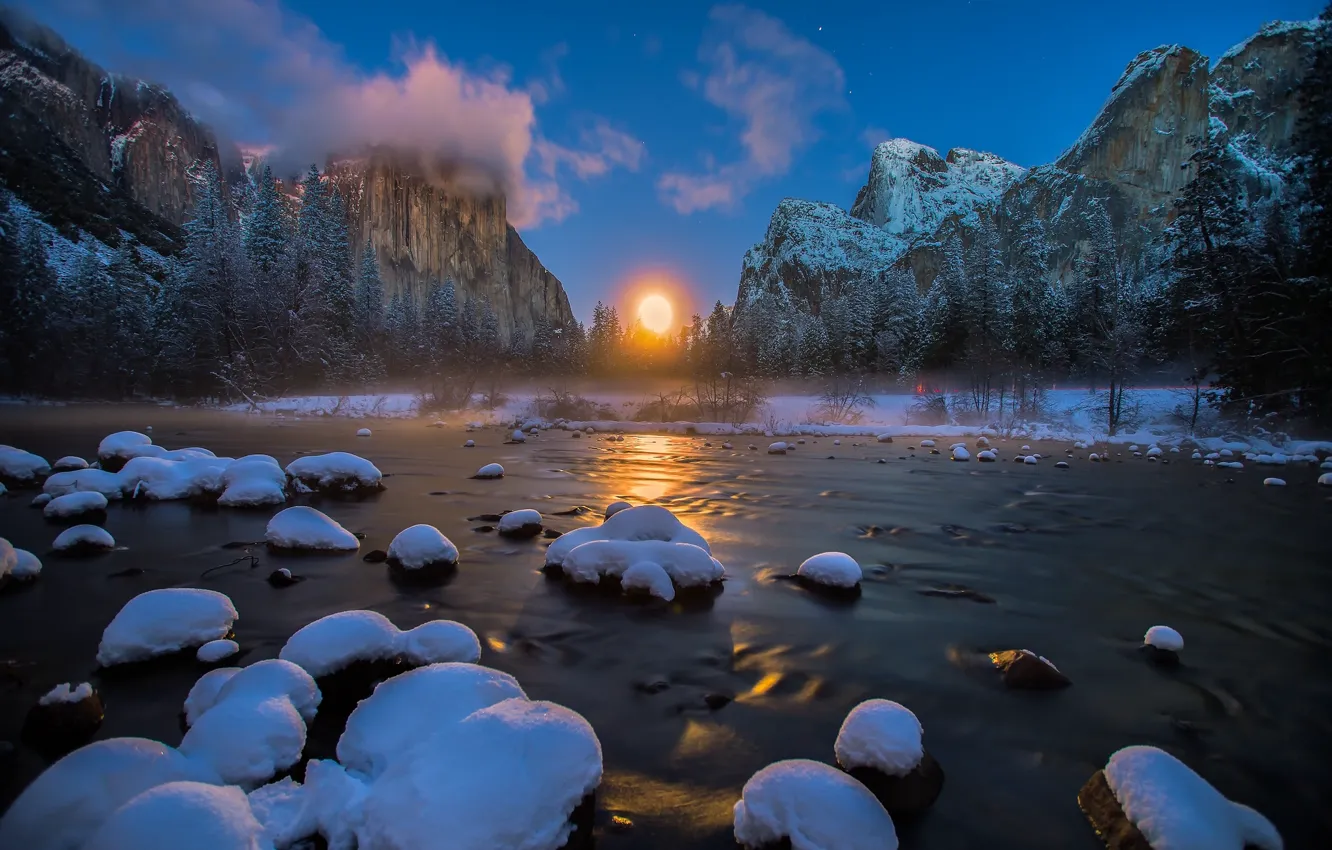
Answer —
64 693
406 709
303 527
1164 637
383 406
816 806
83 539
1176 809
72 505
183 814
833 569
881 734
341 471
20 467
422 546
331 643
67 803
163 621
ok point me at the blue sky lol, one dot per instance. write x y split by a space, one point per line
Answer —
741 106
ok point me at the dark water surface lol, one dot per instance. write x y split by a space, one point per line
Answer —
1079 562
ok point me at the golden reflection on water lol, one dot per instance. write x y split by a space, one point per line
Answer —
704 738
692 809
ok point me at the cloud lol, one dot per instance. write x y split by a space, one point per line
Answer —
775 84
604 148
260 73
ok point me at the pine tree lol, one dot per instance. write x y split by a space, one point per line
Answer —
27 279
369 320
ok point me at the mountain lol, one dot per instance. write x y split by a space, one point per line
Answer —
104 157
1132 160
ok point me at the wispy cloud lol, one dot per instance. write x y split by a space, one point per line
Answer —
602 148
775 84
263 74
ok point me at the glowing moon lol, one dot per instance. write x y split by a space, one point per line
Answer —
655 313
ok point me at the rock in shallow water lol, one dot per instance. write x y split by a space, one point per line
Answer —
908 796
1025 670
63 720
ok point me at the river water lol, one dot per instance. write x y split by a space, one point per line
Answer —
1079 562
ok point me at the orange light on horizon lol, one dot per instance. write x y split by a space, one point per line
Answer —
657 300
656 313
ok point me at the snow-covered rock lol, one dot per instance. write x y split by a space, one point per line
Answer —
74 505
183 814
69 463
960 453
121 446
686 564
650 577
109 484
831 569
644 522
252 482
986 456
490 470
469 444
422 547
778 448
216 650
159 622
1061 464
1155 451
1164 637
18 468
884 438
518 436
1325 479
26 566
1031 459
363 432
162 479
521 523
338 472
815 806
332 643
83 539
1230 464
1171 806
65 693
927 444
881 734
72 798
64 718
615 507
507 776
1274 482
406 709
303 527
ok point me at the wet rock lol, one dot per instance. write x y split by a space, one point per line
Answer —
715 701
905 797
652 685
551 534
1160 657
881 460
1025 670
128 572
284 578
1107 817
486 518
620 823
375 556
521 525
64 720
577 510
484 529
934 451
438 493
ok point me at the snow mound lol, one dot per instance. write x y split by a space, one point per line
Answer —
1230 464
163 621
1274 482
1031 459
1154 451
1176 809
470 444
832 569
645 522
252 482
815 806
64 806
331 643
363 432
74 504
927 444
778 448
881 734
337 472
648 576
123 445
215 650
1164 637
63 693
391 721
26 565
518 436
987 456
94 480
960 453
422 546
303 527
183 814
615 507
516 521
69 463
490 470
685 564
20 467
507 776
203 695
164 479
1325 479
84 538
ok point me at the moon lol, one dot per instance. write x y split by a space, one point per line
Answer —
655 313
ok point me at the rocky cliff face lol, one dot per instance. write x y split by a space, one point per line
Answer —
423 230
1129 161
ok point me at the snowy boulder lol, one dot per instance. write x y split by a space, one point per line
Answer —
777 448
1063 464
337 472
422 552
1031 459
1155 451
363 432
960 453
1325 480
334 643
469 444
1196 456
518 436
1023 669
687 565
514 775
69 463
813 807
1226 453
729 446
86 506
1274 482
523 524
1146 797
644 522
490 470
64 718
303 527
117 448
27 566
160 622
1229 464
884 438
84 540
982 442
391 721
72 798
986 456
21 469
830 570
217 650
577 435
109 484
1162 646
1094 457
927 444
880 745
615 507
183 814
650 578
162 479
253 482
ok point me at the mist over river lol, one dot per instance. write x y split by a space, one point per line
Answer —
1079 562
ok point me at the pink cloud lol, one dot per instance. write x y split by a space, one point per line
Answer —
604 148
